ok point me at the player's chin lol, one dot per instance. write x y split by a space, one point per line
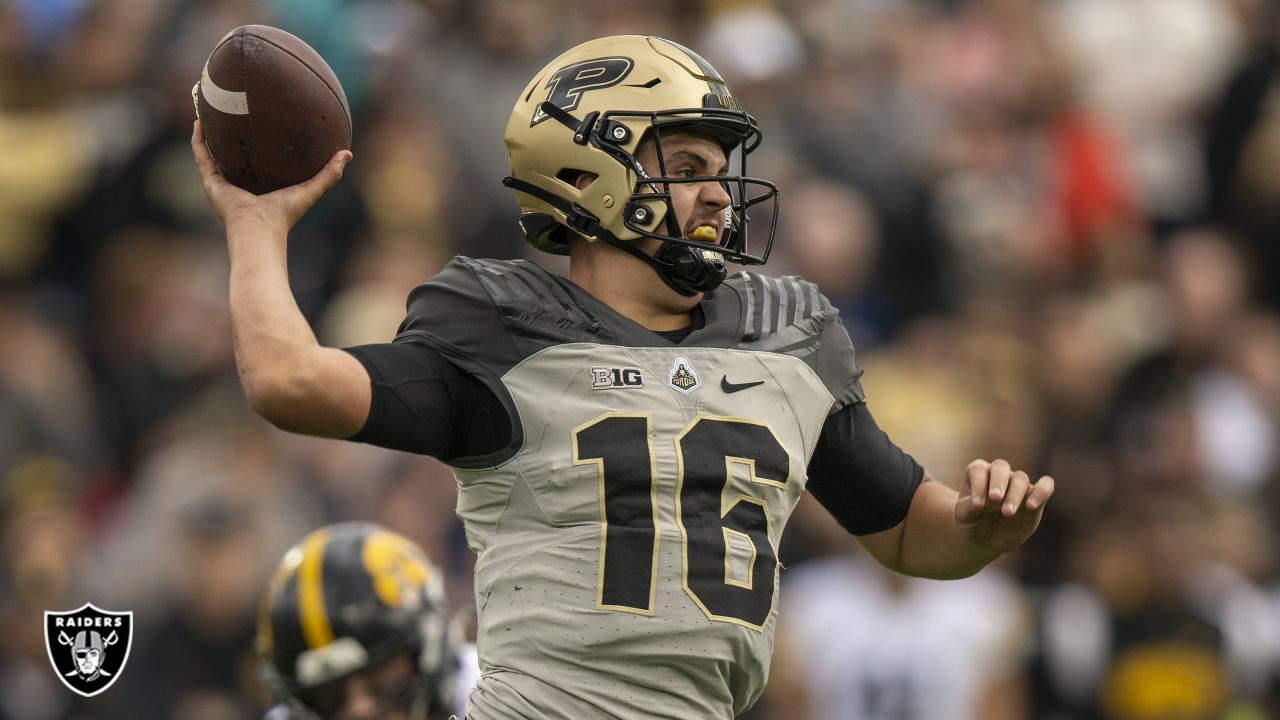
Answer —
674 302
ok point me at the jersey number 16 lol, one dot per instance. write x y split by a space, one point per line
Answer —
620 445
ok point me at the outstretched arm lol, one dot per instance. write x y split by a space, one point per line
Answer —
287 376
949 535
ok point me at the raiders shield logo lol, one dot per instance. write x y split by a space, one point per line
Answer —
88 647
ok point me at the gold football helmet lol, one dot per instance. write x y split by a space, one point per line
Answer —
588 112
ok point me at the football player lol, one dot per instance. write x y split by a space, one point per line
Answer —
628 441
353 627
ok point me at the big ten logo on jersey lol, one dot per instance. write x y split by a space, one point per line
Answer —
609 378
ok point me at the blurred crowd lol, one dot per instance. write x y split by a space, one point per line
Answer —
1052 228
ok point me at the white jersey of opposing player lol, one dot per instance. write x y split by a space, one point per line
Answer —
921 651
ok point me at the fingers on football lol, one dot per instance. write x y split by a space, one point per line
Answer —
204 162
329 175
977 476
1040 493
295 200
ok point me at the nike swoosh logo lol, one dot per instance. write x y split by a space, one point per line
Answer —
227 101
729 387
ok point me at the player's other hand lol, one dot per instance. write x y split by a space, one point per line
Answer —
999 507
280 209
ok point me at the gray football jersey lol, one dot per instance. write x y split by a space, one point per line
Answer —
627 537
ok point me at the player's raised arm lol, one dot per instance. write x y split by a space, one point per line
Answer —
288 377
271 138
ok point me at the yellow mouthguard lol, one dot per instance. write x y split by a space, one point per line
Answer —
704 233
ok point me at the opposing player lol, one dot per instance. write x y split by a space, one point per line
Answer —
354 627
629 441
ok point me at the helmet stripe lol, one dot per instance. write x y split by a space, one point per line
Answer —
311 606
714 82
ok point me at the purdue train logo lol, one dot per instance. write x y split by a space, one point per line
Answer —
88 647
682 376
566 86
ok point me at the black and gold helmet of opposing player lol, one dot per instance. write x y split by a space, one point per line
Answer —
588 111
349 599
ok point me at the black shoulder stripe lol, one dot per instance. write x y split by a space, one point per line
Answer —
810 300
790 301
784 315
512 288
775 307
529 299
762 307
772 304
542 284
789 316
497 290
530 292
807 306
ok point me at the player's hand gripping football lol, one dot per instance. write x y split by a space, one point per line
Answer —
280 209
999 507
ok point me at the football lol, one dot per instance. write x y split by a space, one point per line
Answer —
271 109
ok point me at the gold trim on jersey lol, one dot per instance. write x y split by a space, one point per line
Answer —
604 518
684 535
750 463
729 579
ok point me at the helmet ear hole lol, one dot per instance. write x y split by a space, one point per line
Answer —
580 179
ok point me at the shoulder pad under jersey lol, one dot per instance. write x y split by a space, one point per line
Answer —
789 316
488 315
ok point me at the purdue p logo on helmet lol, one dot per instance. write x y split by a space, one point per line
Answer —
567 85
588 111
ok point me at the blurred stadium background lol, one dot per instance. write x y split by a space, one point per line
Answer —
1052 228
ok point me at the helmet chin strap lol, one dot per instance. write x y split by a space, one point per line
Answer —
685 269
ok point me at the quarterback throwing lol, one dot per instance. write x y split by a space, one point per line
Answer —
629 441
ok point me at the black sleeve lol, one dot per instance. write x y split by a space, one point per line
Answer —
835 361
423 403
858 474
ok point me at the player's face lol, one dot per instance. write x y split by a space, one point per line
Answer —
379 692
697 205
87 660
